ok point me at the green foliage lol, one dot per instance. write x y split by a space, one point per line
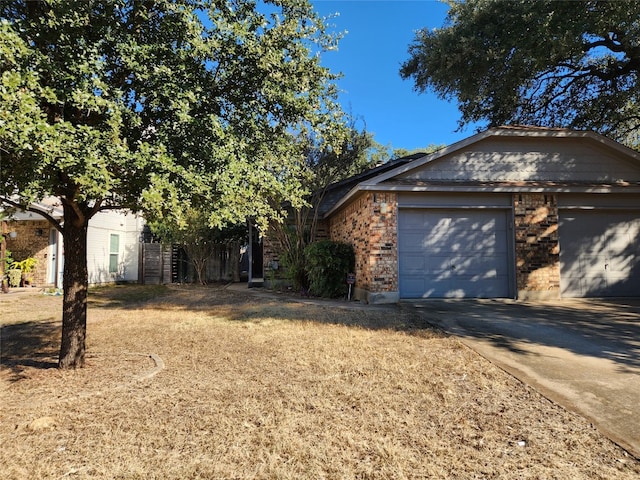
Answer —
159 107
294 239
8 258
15 277
549 63
25 266
328 264
150 105
403 152
323 167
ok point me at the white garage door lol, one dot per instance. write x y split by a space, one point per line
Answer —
599 253
453 253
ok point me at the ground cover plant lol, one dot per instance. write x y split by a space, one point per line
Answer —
214 382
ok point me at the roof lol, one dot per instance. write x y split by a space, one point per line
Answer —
49 205
335 192
385 180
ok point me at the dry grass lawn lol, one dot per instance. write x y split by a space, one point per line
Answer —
269 388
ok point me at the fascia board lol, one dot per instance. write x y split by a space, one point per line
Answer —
452 188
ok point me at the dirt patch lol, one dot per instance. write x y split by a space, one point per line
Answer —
271 388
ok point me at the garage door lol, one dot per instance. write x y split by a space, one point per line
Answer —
599 253
453 253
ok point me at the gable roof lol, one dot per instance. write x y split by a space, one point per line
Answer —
405 176
336 191
513 132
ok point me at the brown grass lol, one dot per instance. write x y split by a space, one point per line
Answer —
269 388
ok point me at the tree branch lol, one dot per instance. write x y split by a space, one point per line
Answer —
30 208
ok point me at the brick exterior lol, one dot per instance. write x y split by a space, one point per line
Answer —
32 240
537 248
369 223
272 251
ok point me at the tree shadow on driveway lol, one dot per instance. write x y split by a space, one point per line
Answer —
608 329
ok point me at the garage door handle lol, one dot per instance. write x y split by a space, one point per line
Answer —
606 265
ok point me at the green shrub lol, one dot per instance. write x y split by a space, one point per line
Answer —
8 259
15 276
327 265
26 266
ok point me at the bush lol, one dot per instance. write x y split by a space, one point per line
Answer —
328 264
15 276
26 266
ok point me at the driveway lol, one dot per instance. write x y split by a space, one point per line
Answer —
582 354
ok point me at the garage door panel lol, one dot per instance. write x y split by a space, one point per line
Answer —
471 265
412 264
465 254
411 241
599 253
623 263
483 288
418 288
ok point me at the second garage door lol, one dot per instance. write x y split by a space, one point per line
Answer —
599 253
453 253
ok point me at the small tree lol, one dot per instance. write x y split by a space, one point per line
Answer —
323 167
197 237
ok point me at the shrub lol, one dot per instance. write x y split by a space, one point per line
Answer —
327 265
15 276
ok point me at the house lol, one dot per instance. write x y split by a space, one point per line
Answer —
113 242
512 212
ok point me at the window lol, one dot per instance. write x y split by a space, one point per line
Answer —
114 248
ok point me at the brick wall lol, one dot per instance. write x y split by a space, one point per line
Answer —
272 251
369 223
537 247
32 240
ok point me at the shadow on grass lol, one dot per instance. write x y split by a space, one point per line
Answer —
367 317
118 296
245 306
31 344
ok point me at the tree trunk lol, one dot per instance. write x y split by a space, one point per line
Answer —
75 282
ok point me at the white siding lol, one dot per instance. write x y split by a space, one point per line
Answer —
101 227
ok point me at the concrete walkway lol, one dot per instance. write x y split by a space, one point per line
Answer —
582 354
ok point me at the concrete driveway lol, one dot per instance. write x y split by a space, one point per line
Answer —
582 354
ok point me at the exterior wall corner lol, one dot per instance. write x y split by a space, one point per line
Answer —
537 249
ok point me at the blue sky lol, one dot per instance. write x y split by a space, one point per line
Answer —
370 55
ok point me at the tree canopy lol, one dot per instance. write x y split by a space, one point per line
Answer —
323 166
536 62
159 107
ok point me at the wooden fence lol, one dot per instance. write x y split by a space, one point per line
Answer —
162 264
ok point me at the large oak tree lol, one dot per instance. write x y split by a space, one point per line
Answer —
156 106
535 62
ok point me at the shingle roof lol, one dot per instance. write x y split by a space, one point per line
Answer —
339 189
